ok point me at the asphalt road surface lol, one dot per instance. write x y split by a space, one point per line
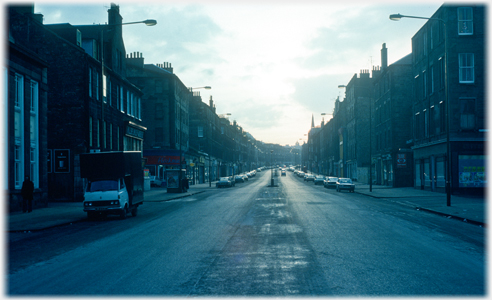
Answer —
295 239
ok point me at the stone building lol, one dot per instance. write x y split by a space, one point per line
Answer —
26 91
449 53
391 135
91 106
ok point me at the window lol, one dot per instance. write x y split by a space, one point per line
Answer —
98 133
467 66
426 123
111 136
90 131
159 135
90 82
122 100
104 87
432 80
467 110
104 134
97 86
128 99
442 76
18 130
465 21
117 97
200 131
424 84
159 111
34 152
442 114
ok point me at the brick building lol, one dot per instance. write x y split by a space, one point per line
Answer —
391 136
26 90
461 36
356 138
165 114
89 108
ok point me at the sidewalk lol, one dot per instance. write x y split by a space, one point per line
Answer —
471 209
64 213
467 209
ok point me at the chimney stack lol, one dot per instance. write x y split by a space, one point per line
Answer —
384 57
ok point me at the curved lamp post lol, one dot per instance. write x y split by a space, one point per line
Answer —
398 17
148 22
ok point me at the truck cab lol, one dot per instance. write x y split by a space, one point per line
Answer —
110 196
114 183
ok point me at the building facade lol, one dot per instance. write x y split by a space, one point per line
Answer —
392 163
25 109
448 65
90 104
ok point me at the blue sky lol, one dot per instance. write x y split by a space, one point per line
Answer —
271 64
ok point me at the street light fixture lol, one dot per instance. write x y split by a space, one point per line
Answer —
148 22
397 17
271 166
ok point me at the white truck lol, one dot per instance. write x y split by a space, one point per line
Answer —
115 182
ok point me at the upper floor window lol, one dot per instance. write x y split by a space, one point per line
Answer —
467 113
467 66
200 131
90 82
465 21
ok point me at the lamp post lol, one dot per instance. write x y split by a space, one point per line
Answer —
148 22
398 17
271 166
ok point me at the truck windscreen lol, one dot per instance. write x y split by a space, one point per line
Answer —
102 185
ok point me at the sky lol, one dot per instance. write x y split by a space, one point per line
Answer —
272 65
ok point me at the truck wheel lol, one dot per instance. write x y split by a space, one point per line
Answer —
123 213
134 211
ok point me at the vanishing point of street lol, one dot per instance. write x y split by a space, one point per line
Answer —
294 239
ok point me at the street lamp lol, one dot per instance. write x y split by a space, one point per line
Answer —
271 166
148 22
397 17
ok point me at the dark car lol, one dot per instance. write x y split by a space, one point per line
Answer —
224 182
345 184
319 179
309 177
330 182
283 173
239 178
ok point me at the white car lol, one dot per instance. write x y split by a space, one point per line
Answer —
345 184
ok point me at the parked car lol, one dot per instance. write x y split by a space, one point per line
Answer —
330 182
309 177
319 179
238 178
224 182
245 177
345 184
